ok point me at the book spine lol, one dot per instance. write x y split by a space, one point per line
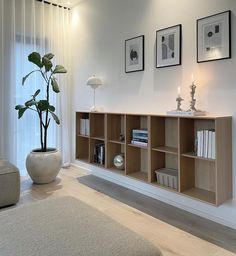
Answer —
213 145
139 143
140 140
210 145
87 127
199 143
140 131
206 137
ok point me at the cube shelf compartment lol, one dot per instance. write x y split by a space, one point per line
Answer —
171 144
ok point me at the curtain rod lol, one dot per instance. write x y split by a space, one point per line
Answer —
60 6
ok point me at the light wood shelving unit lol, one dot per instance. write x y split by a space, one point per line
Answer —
171 144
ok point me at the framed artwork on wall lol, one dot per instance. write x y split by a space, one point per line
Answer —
134 54
168 46
214 37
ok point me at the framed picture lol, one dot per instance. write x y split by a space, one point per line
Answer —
214 37
134 54
168 46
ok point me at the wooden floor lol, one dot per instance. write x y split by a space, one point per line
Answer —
171 240
210 231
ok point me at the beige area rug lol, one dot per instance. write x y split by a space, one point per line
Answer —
66 226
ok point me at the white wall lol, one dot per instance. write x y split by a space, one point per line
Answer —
100 28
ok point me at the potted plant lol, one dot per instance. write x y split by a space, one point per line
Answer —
44 163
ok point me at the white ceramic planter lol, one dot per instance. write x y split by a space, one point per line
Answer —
43 167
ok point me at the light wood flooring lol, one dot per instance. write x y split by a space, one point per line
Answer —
171 240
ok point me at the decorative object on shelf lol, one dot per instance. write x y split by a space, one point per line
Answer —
85 125
134 54
119 161
140 137
178 110
168 46
99 153
192 110
121 137
94 82
167 177
214 37
178 100
43 164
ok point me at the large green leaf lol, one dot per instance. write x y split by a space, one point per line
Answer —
49 55
47 63
55 85
43 105
21 112
25 77
59 69
55 117
36 93
17 107
35 58
51 108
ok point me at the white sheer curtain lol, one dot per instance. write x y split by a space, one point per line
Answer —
27 26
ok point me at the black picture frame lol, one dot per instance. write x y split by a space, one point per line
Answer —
134 54
169 55
214 37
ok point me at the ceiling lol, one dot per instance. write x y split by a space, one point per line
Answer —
67 3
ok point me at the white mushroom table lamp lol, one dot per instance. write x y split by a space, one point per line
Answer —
94 82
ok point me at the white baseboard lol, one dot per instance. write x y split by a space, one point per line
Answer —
177 200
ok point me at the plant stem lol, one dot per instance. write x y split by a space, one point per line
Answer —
41 130
46 118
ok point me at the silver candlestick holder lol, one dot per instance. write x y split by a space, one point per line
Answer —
192 110
178 100
193 100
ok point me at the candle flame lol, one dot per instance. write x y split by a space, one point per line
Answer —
192 78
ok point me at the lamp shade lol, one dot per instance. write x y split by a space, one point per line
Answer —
94 82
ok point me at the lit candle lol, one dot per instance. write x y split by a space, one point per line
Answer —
192 79
179 91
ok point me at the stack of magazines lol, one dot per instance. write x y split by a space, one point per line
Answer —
99 153
140 137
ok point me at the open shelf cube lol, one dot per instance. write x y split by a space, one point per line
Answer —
137 163
97 123
82 128
198 179
116 128
164 134
93 143
114 149
161 160
188 134
135 122
82 148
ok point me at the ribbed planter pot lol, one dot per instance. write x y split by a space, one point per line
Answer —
43 167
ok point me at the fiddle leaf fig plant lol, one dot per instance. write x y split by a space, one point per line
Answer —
42 107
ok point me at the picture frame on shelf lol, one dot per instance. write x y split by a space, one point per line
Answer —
168 46
214 37
134 54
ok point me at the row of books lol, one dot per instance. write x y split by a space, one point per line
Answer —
99 153
84 126
206 143
167 177
140 137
